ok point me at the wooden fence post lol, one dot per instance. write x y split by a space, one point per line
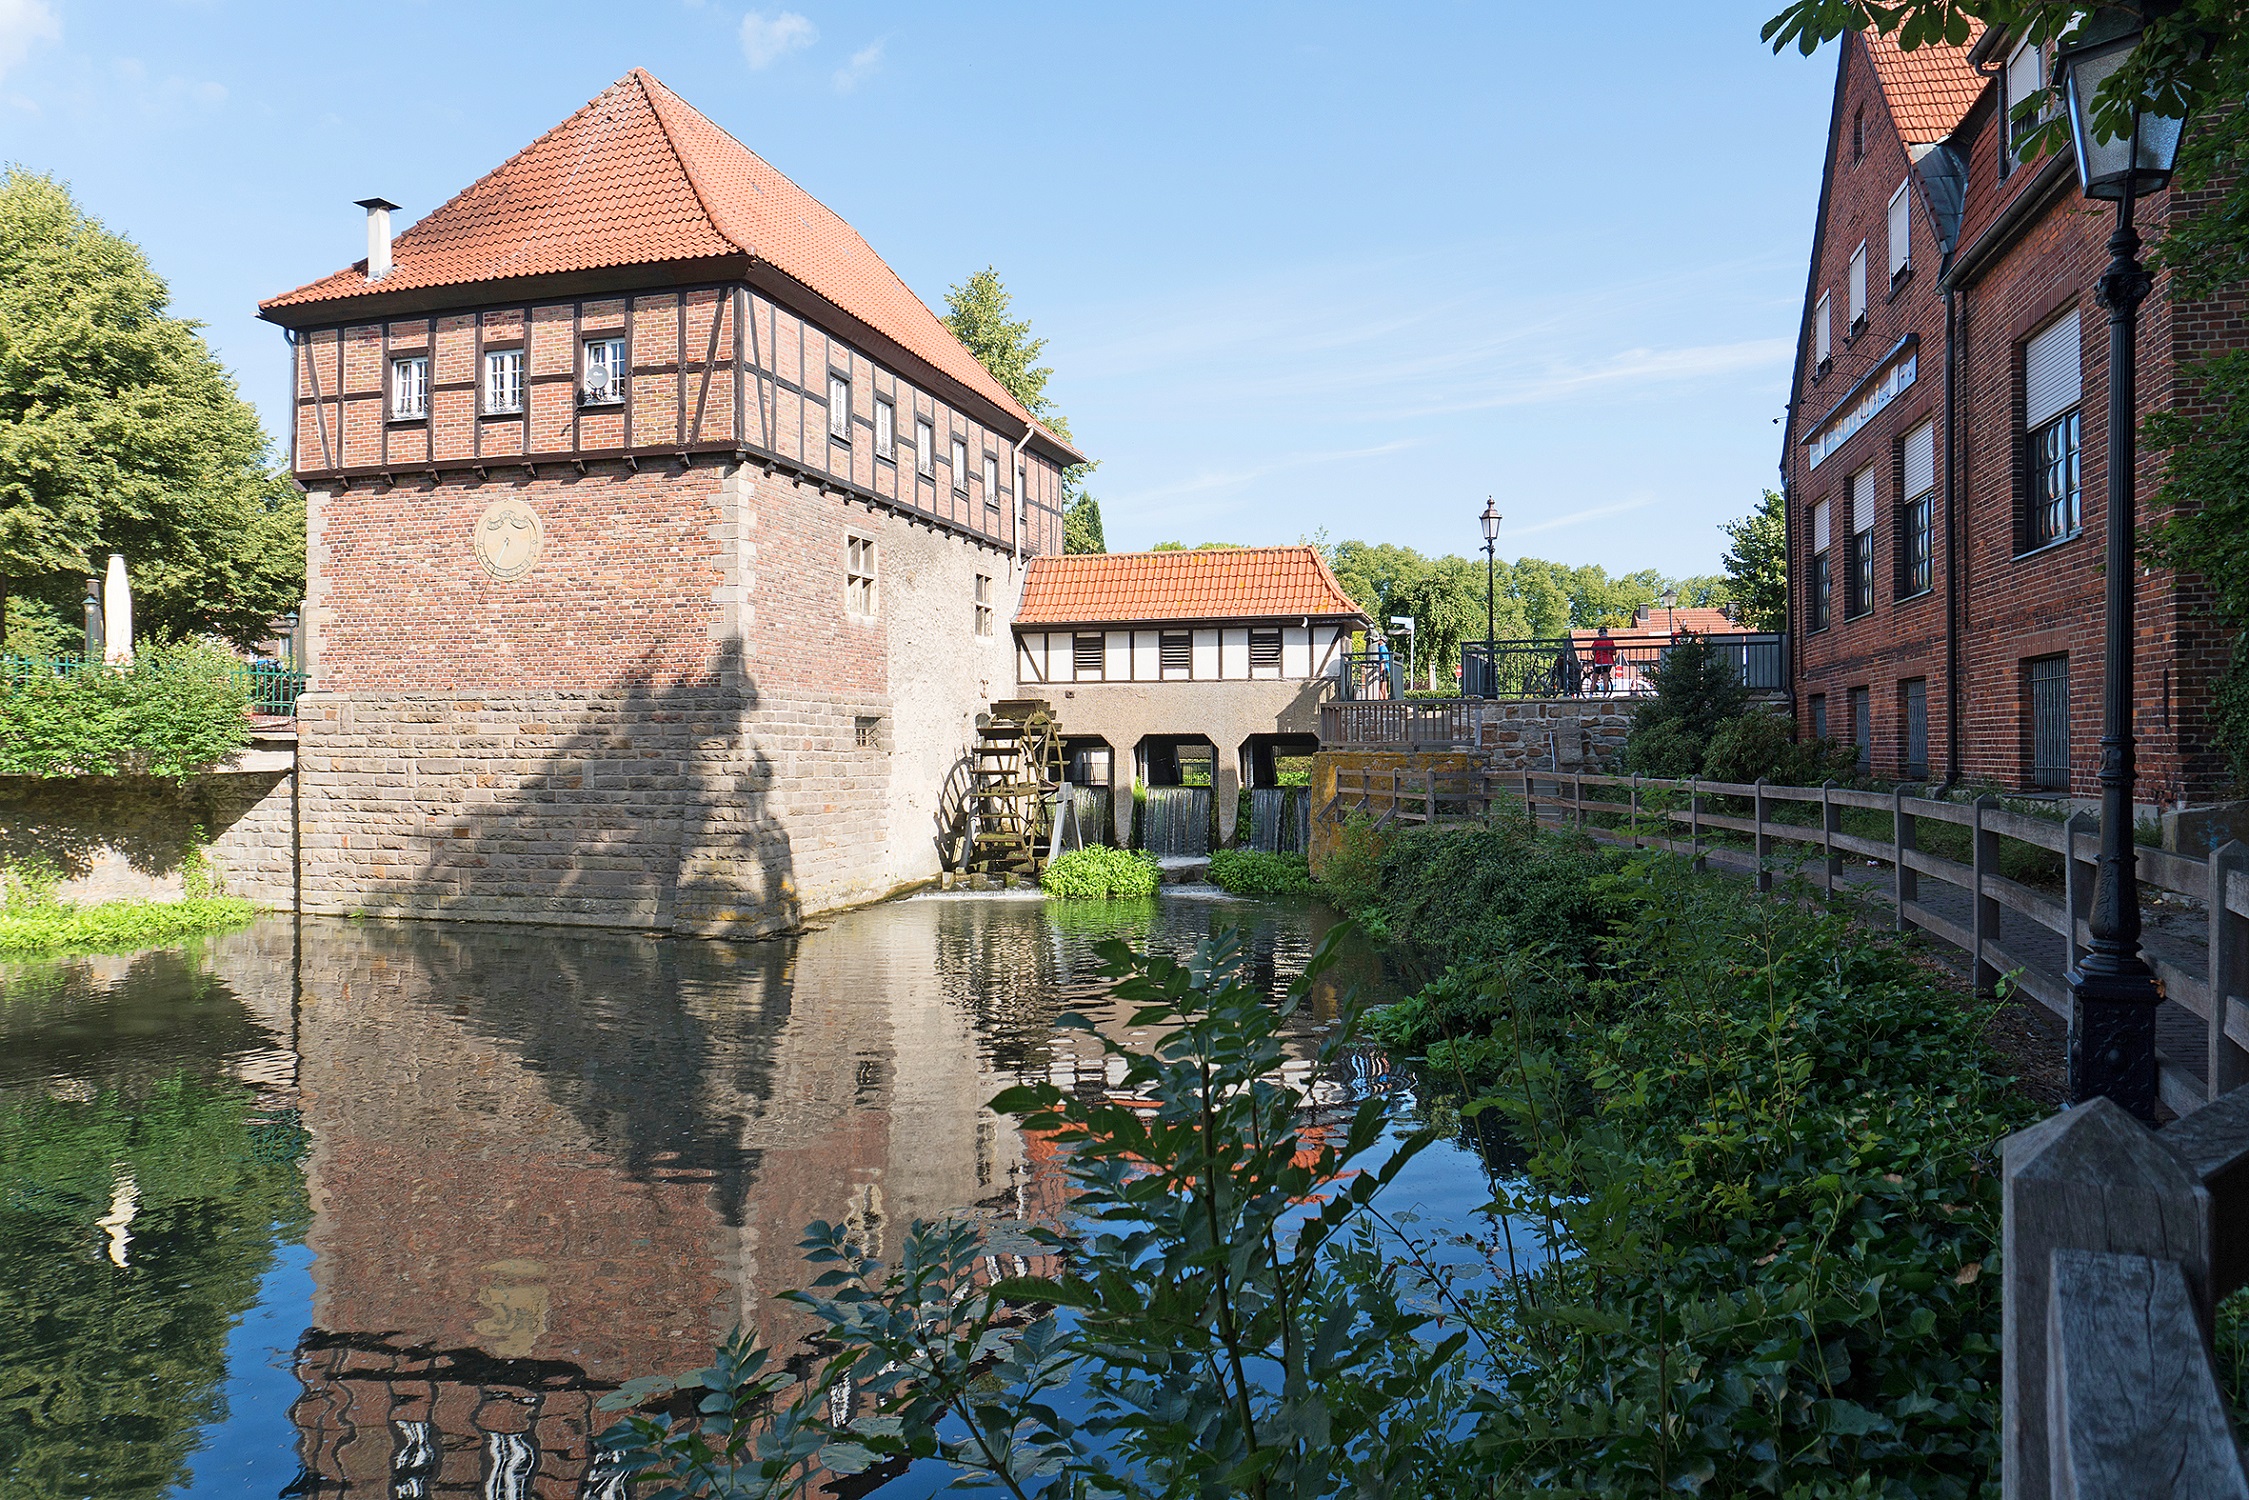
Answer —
2077 882
1983 910
1764 842
1905 834
1429 798
1694 820
2090 1178
1577 797
2229 968
1635 809
1831 824
1530 800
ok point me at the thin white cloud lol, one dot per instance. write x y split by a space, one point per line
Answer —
1579 517
863 65
23 25
767 39
1215 480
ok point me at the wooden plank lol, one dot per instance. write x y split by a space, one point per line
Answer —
1794 793
2133 1404
2172 872
2184 986
1938 926
1951 872
1851 843
2027 977
2045 833
1844 796
1943 812
2044 910
2179 1085
2214 1143
1736 825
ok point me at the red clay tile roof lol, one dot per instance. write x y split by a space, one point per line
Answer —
1662 623
639 177
1930 89
1230 583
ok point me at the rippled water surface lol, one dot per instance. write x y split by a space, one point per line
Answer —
383 1208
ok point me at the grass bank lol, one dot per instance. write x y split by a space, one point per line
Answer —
1761 1142
114 926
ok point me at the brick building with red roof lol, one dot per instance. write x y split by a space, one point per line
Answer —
1943 461
657 536
1219 656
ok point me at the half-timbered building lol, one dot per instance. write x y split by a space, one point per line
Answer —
656 535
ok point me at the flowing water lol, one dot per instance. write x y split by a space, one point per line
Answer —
1280 819
1175 821
381 1209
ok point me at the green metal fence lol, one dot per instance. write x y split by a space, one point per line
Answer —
273 686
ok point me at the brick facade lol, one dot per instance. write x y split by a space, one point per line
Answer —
1997 257
682 710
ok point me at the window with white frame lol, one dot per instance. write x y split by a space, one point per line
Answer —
960 466
983 604
1859 564
604 382
859 575
1917 519
1858 291
2053 385
991 483
839 407
925 448
1901 234
886 429
2024 79
503 380
409 388
1822 580
1822 333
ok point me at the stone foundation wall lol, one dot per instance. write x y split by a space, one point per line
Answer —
119 837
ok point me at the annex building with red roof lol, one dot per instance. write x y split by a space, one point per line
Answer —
1160 662
661 544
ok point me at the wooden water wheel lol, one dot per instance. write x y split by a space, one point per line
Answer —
1016 766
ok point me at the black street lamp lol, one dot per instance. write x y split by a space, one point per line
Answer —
2113 993
1491 519
1670 605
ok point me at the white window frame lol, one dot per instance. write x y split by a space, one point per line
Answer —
839 406
602 372
984 606
1858 292
960 466
409 388
925 448
861 578
503 382
1823 331
2010 132
886 429
991 479
1901 233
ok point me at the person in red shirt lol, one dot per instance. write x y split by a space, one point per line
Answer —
1604 662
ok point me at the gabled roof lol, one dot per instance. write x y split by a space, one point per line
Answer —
1930 89
638 177
1217 583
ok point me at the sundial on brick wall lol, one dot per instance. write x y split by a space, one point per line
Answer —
508 538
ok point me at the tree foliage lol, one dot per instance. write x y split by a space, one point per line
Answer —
1698 689
175 711
1757 564
977 311
2204 525
119 432
1081 526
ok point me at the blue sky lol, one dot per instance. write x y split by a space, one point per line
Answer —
1341 268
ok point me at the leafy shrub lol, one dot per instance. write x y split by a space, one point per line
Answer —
1247 872
1352 873
1698 688
175 711
1759 745
1100 873
1470 893
34 919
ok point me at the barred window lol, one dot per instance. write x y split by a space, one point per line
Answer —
866 732
503 381
409 388
859 575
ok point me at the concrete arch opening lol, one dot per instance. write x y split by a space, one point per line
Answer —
1180 778
1089 773
1276 780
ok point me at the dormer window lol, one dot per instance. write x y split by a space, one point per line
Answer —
604 383
409 389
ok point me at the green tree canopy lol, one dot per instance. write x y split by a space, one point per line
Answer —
1081 526
1757 564
977 313
119 432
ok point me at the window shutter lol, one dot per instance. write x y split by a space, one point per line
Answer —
1920 460
1900 231
1821 335
2053 378
1862 500
1820 536
1858 282
2025 76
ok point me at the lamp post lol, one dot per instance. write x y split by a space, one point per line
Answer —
1491 519
2113 994
1670 602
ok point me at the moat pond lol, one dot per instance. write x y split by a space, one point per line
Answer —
382 1209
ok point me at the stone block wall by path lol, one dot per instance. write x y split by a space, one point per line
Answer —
119 837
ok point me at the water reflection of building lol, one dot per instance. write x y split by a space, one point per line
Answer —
545 1163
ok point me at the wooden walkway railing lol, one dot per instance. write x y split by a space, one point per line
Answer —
1688 817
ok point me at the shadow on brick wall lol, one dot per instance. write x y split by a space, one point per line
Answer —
655 810
111 837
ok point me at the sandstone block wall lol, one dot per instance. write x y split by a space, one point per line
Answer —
132 837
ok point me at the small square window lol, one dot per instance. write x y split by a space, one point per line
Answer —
886 430
859 575
983 604
866 732
605 372
960 466
925 448
503 381
839 407
409 388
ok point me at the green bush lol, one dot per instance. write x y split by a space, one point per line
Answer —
34 919
1472 893
175 711
1759 745
1352 873
1100 873
1245 872
1698 688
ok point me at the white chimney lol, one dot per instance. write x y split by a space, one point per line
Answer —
378 236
